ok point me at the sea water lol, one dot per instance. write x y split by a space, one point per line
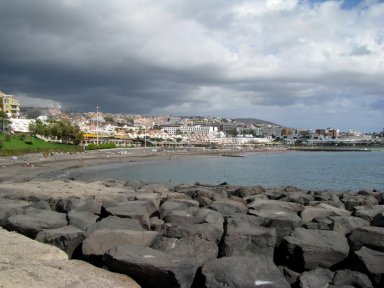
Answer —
342 171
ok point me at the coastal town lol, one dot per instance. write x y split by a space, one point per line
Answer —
127 130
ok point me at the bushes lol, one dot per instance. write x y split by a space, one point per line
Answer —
93 146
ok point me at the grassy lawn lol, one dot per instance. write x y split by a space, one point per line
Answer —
23 144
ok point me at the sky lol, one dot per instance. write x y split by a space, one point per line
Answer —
299 63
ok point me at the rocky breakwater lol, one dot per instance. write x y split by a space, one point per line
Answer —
203 236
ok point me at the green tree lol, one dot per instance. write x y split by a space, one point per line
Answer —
4 122
38 128
58 129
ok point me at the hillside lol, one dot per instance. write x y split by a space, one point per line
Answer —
254 121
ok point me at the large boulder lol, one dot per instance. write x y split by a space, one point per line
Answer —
322 210
81 219
370 262
153 188
284 222
246 191
369 236
347 224
310 249
206 231
16 247
79 204
9 208
212 193
35 220
289 275
351 200
298 197
178 204
100 241
318 277
242 271
140 210
243 238
157 224
373 213
353 278
276 206
190 247
116 223
379 195
228 207
29 263
155 198
67 238
195 215
150 267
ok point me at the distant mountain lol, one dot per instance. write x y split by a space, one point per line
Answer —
254 121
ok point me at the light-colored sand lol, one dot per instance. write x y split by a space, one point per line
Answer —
29 166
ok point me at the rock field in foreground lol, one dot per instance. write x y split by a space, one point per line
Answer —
192 235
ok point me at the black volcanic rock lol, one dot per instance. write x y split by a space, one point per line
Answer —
228 207
372 213
309 249
370 262
352 278
241 271
72 203
35 220
260 205
246 191
9 208
322 210
318 277
67 238
189 247
369 236
116 223
351 200
206 231
283 222
82 219
171 205
139 209
195 215
101 240
243 238
150 267
215 236
347 224
298 197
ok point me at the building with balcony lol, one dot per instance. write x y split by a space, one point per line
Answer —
10 105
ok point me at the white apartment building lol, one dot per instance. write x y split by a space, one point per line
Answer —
20 125
195 129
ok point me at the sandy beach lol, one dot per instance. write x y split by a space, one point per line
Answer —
27 167
21 175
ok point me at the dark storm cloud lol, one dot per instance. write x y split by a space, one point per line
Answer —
189 57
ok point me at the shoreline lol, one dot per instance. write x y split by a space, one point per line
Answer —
31 166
